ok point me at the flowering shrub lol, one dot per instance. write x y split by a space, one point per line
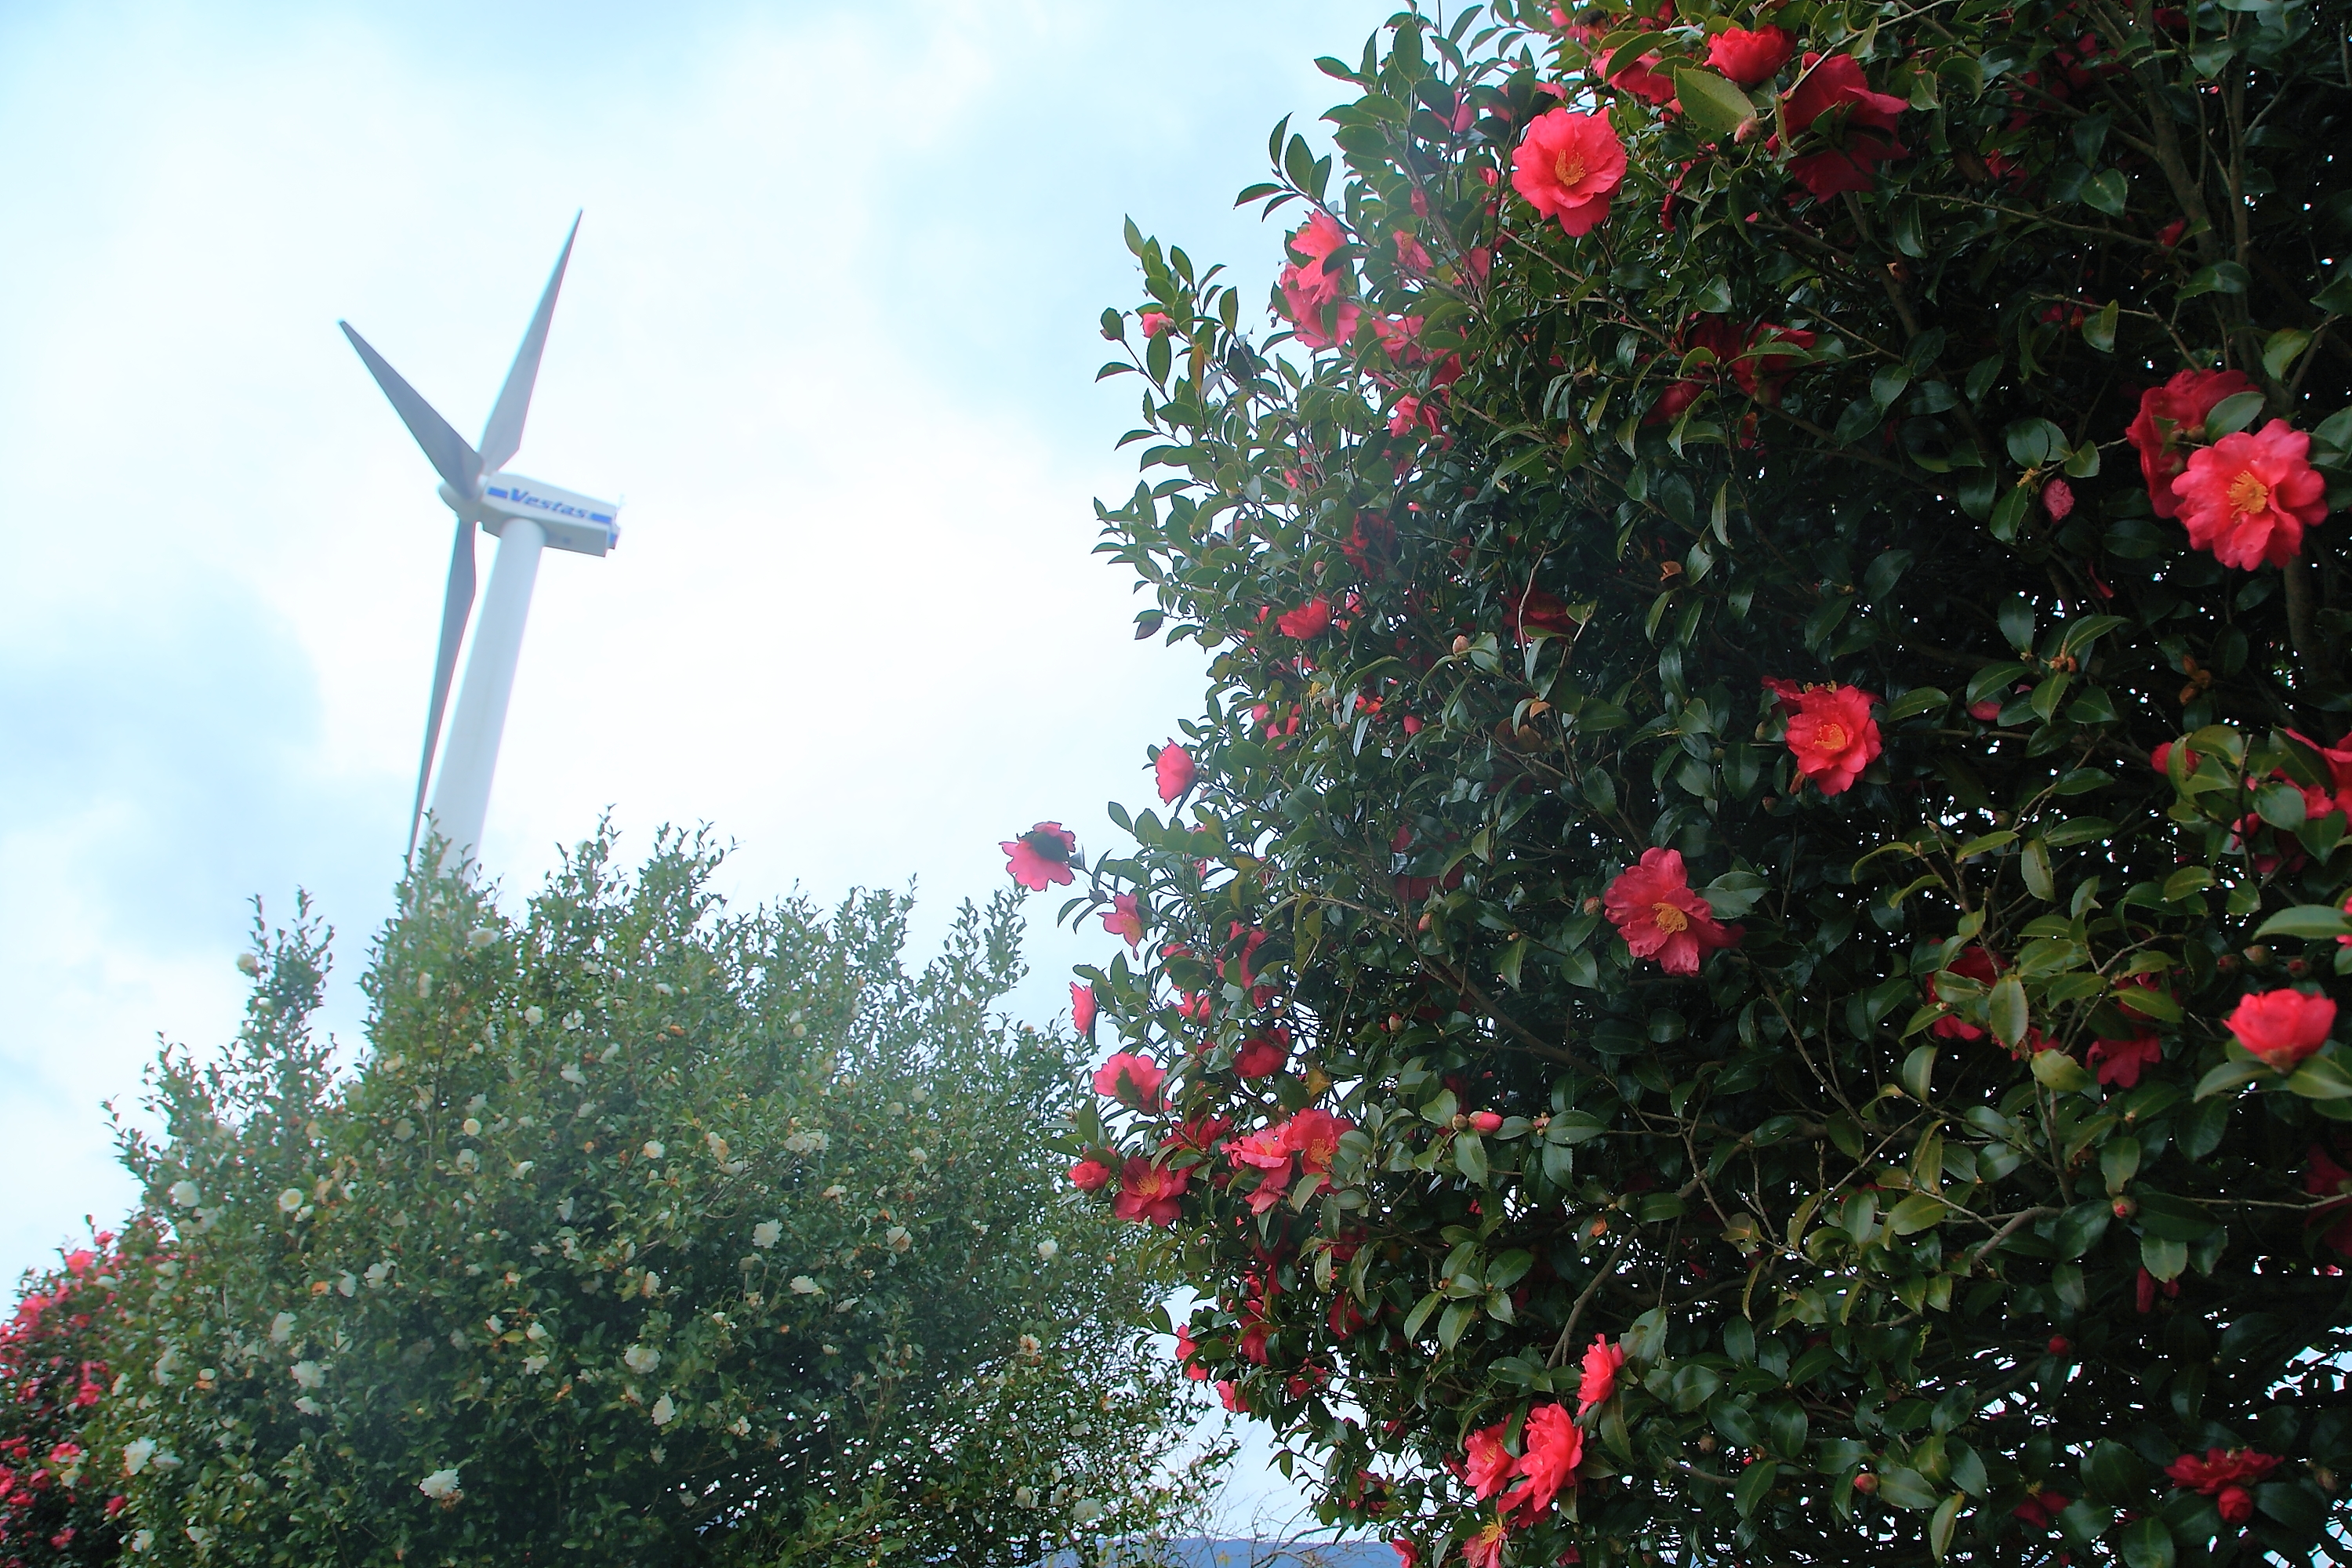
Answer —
54 1508
1801 873
644 1231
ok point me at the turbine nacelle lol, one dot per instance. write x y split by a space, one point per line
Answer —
581 525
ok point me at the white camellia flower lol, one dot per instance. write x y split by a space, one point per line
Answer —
641 1358
1048 1249
532 1365
766 1233
471 1127
248 963
835 1192
803 1284
716 1145
135 1455
467 1161
809 1141
919 1156
186 1194
441 1485
198 1533
290 1200
899 1238
535 1334
574 1018
534 1015
1024 1497
740 1427
310 1406
654 1149
348 1285
572 1073
377 1273
664 1412
309 1374
281 1327
140 1539
1030 1347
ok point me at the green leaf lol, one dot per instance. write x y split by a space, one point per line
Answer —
2282 349
2099 330
2017 622
2163 1259
1905 1487
2108 192
1716 103
2313 922
1918 1212
2336 298
1918 700
1455 1319
1507 968
2320 1077
2005 1009
2056 1070
2233 414
1939 1528
1919 1072
1470 1156
2221 278
1713 296
1754 1484
2227 1076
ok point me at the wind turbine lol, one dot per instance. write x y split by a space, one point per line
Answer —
528 517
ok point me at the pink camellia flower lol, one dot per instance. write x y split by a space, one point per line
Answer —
1318 323
1602 1362
1175 771
1748 58
1130 1079
1643 80
2058 499
2282 1027
1568 166
1832 736
1153 322
2170 415
1412 259
1124 919
2248 497
1487 1464
1313 290
1186 1349
1833 83
2225 1476
1654 909
1267 1151
1040 859
1555 1447
1090 1175
1262 1056
2120 1062
1314 1135
1311 619
1408 1554
1485 1548
1082 1008
1149 1194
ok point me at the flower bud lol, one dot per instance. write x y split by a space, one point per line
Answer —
1866 1483
2258 957
2060 1344
1461 645
2125 1208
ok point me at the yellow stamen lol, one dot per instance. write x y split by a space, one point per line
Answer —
2248 494
1831 737
1669 919
1567 168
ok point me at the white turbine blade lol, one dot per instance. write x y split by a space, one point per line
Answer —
457 603
452 459
502 436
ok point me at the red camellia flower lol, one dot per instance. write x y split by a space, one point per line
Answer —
1090 1175
1487 1464
2040 1508
1567 166
2170 414
2323 1178
1082 1008
2248 497
2058 499
1314 1135
1749 59
1837 83
2225 1476
1654 909
1602 1362
1643 80
1040 859
1130 1079
1153 322
1484 1549
1408 1554
2282 1027
1410 257
1148 1193
2120 1062
1313 290
1186 1349
1262 1056
1832 736
1123 919
1555 1447
1269 1152
1311 619
1175 771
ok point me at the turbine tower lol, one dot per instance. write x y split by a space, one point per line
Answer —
528 517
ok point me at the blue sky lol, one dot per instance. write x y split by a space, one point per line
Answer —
829 333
